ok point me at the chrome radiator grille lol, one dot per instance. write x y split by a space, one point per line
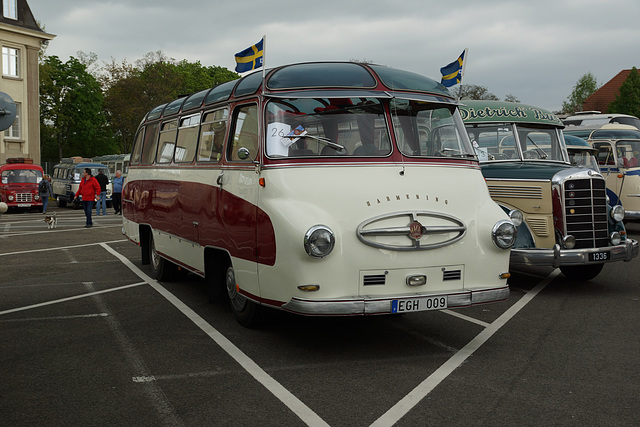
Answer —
586 212
24 198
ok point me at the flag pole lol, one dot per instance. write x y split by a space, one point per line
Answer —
264 61
464 65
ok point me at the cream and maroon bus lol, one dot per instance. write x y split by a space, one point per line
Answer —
330 188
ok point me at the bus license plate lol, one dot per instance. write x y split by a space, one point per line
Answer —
418 304
600 256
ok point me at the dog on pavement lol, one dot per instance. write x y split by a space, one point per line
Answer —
51 221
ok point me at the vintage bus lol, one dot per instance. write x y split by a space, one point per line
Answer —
618 151
19 180
66 178
115 162
330 188
566 220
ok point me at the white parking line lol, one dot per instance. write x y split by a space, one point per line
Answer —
63 247
292 402
407 403
467 318
58 301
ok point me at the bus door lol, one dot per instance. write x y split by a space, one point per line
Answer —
238 191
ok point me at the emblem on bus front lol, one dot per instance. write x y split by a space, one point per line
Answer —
411 231
415 230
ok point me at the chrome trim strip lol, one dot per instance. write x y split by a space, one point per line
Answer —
412 243
367 306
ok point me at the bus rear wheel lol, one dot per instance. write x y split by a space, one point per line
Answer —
163 270
582 272
247 312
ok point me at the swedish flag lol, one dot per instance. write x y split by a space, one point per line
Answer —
452 73
250 58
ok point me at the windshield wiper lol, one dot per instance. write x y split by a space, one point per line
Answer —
323 140
541 152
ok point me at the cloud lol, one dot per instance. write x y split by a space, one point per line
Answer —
535 51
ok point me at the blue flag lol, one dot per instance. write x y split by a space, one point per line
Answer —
250 58
452 73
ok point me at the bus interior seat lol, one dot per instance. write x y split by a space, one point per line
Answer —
330 151
633 162
365 150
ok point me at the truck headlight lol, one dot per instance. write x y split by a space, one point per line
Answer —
516 217
617 213
36 197
503 234
10 198
319 241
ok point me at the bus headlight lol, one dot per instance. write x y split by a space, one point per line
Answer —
569 241
319 241
617 213
503 234
516 217
615 238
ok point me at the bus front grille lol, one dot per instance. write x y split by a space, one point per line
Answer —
586 212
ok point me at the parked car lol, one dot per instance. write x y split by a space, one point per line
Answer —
562 212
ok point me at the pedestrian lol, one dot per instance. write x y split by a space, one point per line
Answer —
102 199
88 190
118 183
45 190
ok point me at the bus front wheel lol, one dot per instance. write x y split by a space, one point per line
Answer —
247 312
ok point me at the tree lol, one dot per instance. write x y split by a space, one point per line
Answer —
627 100
72 121
132 90
473 92
584 88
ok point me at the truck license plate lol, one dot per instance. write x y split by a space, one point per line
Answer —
600 256
418 304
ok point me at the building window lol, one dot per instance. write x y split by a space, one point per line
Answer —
10 61
9 9
15 132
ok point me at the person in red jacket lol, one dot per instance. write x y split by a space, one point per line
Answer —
89 189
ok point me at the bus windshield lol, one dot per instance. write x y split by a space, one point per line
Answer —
516 142
357 127
429 130
327 127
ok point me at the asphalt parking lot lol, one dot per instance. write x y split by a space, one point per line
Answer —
88 338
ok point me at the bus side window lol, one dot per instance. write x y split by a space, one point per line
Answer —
212 135
245 133
187 139
148 152
167 142
137 146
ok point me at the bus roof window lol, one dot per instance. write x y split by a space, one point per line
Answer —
220 92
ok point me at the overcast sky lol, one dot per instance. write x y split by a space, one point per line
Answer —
534 50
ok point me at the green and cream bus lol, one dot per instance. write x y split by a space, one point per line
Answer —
562 211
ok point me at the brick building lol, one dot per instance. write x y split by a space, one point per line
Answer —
600 99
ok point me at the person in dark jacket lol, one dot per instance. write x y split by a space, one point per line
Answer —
88 189
45 190
102 199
